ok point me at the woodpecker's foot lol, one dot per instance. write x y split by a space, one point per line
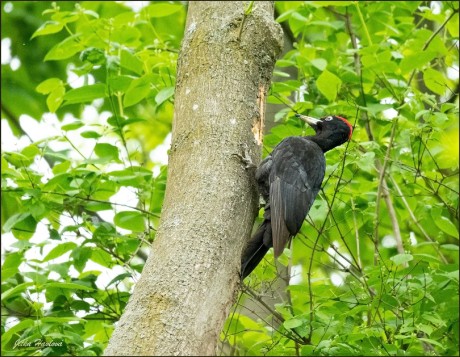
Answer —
245 158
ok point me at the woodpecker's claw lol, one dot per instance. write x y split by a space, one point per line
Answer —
246 158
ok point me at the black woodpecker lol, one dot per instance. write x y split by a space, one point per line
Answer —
289 180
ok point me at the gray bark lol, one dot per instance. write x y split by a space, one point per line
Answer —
191 277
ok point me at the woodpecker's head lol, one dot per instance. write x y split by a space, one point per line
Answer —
332 130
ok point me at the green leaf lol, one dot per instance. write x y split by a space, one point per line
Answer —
248 10
16 290
131 220
450 247
119 277
435 81
446 226
281 74
416 61
292 323
138 90
71 286
49 85
80 257
98 206
48 28
131 121
65 49
400 259
131 62
331 3
22 225
60 320
133 176
107 151
17 159
95 56
389 302
101 257
161 9
126 35
90 134
164 95
427 257
433 318
432 342
11 264
59 250
55 99
285 15
308 350
20 326
61 167
72 126
119 84
86 93
452 25
65 17
30 151
329 85
319 63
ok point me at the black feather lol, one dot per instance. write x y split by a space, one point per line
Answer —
289 180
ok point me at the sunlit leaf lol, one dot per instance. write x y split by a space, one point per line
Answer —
161 9
71 286
55 99
107 151
72 126
400 259
22 225
331 3
292 323
65 49
329 85
16 290
49 85
131 62
131 220
416 61
164 95
86 93
47 28
137 91
435 81
444 224
59 250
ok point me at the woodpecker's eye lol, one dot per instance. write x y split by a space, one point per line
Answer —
329 118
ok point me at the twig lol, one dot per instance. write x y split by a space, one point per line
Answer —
427 43
355 223
90 200
276 314
412 216
381 170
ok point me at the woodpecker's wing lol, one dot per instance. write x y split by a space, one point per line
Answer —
297 171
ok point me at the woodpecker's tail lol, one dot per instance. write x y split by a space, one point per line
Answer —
258 246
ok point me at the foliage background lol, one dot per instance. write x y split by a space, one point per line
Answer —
87 102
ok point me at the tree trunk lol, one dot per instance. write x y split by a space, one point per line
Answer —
191 277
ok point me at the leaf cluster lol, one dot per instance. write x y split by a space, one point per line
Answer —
374 269
80 208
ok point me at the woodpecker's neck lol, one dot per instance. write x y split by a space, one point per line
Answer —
326 143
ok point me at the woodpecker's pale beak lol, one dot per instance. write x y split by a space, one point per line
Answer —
313 122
